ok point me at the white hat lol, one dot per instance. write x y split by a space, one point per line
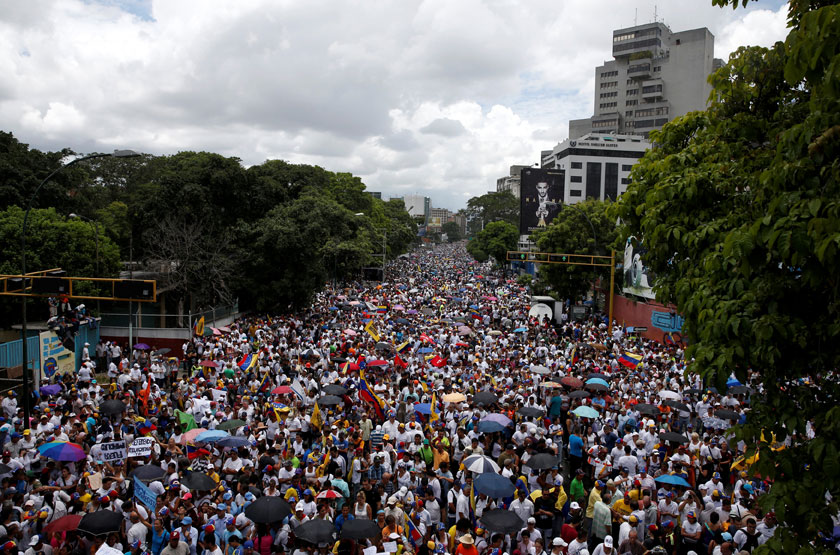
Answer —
575 505
34 541
532 520
393 536
608 542
558 541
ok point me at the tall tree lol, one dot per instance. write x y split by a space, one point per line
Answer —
582 228
453 232
492 207
494 240
740 210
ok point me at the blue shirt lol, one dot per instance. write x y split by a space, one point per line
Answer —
340 520
575 445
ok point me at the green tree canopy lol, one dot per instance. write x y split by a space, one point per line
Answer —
494 240
452 230
583 228
740 209
492 207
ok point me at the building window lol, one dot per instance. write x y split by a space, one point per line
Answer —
631 102
626 167
625 181
637 68
574 193
606 123
608 74
631 92
607 105
637 44
644 113
575 179
651 88
627 36
646 123
609 84
577 165
661 121
609 94
628 113
657 68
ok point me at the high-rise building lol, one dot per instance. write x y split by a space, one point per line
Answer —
418 205
510 182
656 75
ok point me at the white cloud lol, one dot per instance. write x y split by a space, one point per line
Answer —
426 96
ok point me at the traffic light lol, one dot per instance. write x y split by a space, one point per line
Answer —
558 258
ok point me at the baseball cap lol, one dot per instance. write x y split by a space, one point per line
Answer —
221 507
633 519
558 541
608 542
186 521
532 520
727 537
34 541
248 544
175 535
575 505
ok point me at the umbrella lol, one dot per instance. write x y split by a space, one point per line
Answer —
199 482
401 321
112 406
502 520
464 330
334 389
735 390
489 427
494 485
338 360
268 509
673 437
598 346
541 370
520 330
727 414
673 480
316 531
328 494
328 400
360 529
423 408
542 461
63 524
62 451
550 384
668 394
597 376
163 351
5 469
494 332
496 417
148 473
424 350
53 389
189 437
232 441
531 411
677 405
571 381
579 394
350 332
586 412
101 522
211 435
382 346
485 398
645 408
374 363
209 364
427 311
142 347
480 464
692 391
281 390
454 398
715 423
231 424
597 384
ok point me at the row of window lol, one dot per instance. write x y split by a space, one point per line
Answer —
603 124
637 68
609 94
607 105
637 44
608 74
609 84
651 88
660 111
631 92
631 102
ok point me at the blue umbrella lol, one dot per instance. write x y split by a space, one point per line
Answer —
425 350
732 382
423 408
489 427
494 485
520 330
211 435
586 412
232 441
474 306
333 308
673 480
53 389
598 381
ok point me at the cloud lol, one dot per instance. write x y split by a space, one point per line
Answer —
427 96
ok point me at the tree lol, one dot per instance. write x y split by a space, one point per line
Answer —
492 207
582 228
740 209
494 240
452 230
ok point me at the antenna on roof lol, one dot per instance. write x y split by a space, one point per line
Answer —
654 13
636 17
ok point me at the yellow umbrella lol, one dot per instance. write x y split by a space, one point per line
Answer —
550 384
454 398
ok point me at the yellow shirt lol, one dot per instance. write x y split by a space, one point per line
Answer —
594 497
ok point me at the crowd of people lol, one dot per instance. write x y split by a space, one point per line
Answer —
429 414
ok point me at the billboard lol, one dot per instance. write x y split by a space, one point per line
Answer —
636 276
541 194
55 358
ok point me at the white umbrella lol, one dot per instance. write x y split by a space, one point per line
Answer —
480 464
540 310
668 394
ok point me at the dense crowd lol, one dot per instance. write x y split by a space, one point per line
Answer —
430 414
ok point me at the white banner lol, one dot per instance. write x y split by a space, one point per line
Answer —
141 447
112 451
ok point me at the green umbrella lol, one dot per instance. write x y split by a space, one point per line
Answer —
231 424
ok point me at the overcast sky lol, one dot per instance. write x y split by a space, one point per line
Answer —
436 97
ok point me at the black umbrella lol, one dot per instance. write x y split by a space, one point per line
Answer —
673 437
598 375
5 469
101 522
112 406
339 360
645 408
531 411
148 473
268 509
359 529
162 351
739 389
199 481
397 321
328 400
579 394
485 398
381 346
596 386
692 391
502 520
677 405
310 353
542 461
316 531
727 414
334 389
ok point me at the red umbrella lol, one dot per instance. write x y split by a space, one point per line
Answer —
462 344
571 381
63 524
281 389
328 494
378 363
209 364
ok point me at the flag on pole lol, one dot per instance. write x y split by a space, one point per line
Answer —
414 535
143 396
247 362
297 389
366 394
403 348
438 362
400 363
427 339
630 360
186 420
433 415
265 384
370 328
316 420
195 452
198 326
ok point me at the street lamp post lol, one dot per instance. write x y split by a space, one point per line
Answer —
25 354
384 245
95 225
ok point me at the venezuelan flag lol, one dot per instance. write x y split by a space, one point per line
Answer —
630 360
414 535
265 383
247 362
403 348
366 393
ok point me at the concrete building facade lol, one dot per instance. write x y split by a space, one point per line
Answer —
510 182
418 205
656 75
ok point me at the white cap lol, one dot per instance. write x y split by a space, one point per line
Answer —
532 520
608 542
574 505
558 541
